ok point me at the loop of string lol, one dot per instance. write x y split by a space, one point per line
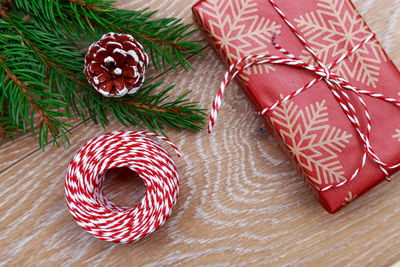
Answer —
336 84
134 150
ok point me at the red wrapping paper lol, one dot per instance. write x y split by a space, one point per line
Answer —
312 128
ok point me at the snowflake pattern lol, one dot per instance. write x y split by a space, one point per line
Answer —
333 30
238 31
397 135
350 198
307 57
312 141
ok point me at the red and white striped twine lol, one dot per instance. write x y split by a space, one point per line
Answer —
134 150
336 84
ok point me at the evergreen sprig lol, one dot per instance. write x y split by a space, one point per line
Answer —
42 46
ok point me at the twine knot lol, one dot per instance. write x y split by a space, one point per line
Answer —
326 71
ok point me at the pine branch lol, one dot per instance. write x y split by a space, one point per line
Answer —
162 38
42 45
154 110
90 6
45 108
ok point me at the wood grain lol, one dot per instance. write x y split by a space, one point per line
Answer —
240 203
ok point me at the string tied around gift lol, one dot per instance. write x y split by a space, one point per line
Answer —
336 84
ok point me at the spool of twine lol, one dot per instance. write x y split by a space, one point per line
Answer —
136 151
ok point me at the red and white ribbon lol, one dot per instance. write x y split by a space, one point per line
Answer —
336 84
99 216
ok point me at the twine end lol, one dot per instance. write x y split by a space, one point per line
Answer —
276 34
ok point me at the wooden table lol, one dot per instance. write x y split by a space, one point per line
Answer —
240 203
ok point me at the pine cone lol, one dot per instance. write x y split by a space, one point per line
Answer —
116 64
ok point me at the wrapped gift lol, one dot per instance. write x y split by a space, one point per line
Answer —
313 127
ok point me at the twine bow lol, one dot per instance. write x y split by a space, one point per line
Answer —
336 84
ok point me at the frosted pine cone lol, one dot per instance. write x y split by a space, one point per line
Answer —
116 64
